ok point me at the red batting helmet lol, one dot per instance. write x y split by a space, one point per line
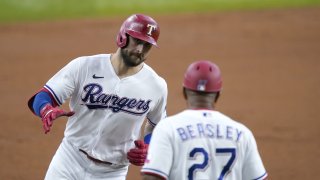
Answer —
203 76
141 27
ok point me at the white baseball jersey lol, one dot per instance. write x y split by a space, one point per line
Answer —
203 144
109 111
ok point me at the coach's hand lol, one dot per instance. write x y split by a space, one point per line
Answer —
49 114
138 155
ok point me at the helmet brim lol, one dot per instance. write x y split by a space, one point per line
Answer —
142 37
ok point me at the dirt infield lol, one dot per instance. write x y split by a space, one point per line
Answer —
270 62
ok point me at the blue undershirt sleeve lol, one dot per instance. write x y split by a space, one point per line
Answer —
41 99
147 138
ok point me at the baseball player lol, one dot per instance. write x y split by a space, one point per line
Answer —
110 97
200 142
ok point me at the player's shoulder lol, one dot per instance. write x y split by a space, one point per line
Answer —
92 58
92 61
151 71
154 75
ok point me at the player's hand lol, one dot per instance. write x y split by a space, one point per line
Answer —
49 114
138 155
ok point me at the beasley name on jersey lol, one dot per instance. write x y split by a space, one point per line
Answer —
208 130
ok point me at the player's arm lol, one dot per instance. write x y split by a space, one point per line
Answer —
138 155
59 88
158 113
148 129
43 105
160 155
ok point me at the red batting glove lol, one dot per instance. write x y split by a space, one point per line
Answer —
138 155
49 113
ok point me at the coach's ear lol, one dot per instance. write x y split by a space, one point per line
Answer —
184 93
217 97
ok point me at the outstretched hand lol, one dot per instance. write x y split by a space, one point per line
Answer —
49 114
138 155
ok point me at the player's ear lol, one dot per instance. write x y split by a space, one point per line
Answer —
125 40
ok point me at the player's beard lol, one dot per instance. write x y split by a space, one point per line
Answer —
131 59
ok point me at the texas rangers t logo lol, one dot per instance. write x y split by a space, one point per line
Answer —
151 28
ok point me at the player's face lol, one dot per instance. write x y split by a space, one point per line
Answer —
135 52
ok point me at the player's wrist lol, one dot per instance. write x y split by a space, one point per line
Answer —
45 110
147 138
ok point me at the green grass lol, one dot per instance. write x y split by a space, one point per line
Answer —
33 10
